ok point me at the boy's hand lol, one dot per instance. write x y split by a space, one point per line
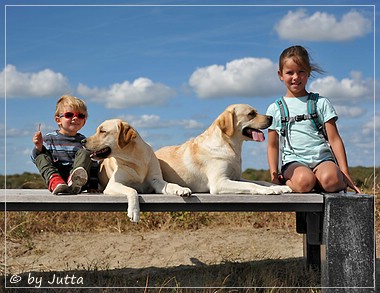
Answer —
37 140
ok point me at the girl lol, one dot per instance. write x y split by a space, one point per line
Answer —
307 160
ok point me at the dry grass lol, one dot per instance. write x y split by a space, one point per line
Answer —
23 225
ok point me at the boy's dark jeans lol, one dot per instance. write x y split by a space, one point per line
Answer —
48 167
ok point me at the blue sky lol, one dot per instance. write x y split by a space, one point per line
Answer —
171 70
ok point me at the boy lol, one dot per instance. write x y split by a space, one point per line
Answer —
59 156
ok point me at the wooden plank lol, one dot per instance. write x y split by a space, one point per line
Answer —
43 200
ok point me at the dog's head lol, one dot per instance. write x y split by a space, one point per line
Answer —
111 136
244 121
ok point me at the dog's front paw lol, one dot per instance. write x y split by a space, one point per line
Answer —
133 207
175 189
273 189
133 214
282 189
183 191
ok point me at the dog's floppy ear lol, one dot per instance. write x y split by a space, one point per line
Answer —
126 134
226 122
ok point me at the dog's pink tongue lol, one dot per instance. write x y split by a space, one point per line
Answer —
258 136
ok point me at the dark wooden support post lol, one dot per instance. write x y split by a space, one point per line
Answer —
310 224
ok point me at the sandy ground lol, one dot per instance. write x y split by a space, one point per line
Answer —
89 251
138 254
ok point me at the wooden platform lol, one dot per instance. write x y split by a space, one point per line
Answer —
43 200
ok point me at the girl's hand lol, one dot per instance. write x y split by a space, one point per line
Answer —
354 187
37 140
277 179
350 183
357 190
281 179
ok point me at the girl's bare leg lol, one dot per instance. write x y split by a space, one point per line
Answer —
329 177
299 178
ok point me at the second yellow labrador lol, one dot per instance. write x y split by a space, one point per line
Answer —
129 165
211 162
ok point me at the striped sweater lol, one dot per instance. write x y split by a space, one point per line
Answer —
61 147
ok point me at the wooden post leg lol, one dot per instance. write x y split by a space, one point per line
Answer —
312 253
314 239
309 223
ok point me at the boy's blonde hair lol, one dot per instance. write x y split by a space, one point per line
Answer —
75 103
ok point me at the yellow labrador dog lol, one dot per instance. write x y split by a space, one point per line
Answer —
129 164
211 162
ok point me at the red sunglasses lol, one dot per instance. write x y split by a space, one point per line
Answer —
69 115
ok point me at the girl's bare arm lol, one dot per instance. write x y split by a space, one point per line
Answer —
337 146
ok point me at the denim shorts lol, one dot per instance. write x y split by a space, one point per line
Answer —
287 165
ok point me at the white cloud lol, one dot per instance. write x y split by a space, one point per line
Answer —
14 132
44 83
349 111
346 90
321 26
123 95
247 77
154 122
372 125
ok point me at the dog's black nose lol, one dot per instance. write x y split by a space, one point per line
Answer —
270 119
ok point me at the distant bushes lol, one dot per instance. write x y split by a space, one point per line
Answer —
25 180
364 177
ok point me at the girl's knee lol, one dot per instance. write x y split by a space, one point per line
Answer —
332 183
330 178
306 185
303 182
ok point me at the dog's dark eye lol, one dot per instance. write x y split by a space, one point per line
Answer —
252 114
